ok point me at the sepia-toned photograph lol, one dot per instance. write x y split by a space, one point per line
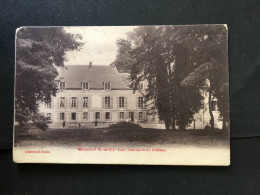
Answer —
141 95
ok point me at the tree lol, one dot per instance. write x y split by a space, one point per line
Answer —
167 56
212 66
38 52
158 55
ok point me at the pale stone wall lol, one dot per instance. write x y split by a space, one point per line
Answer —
94 105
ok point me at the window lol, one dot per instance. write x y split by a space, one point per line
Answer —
140 115
140 102
49 116
107 85
85 85
140 86
107 116
121 102
48 105
62 85
62 116
85 102
107 102
121 115
62 102
85 116
73 102
214 105
97 115
73 116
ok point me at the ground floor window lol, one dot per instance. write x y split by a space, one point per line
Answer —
85 116
73 116
121 115
97 115
49 116
140 115
62 116
107 114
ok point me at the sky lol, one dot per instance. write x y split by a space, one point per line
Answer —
100 44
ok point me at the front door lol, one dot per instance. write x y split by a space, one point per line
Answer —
131 116
97 115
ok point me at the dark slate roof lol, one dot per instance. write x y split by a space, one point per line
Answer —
73 75
126 78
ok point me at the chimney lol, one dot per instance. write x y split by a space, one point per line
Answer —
90 64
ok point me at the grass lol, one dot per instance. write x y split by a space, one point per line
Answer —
138 137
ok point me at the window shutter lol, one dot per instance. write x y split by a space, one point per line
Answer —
94 114
111 102
103 102
125 102
136 102
65 102
117 102
111 116
57 102
58 117
79 102
144 115
136 115
89 102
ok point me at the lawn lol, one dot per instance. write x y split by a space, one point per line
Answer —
137 137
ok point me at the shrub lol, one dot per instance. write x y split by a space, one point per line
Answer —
40 121
125 125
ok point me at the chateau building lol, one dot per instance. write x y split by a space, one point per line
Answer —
90 96
94 95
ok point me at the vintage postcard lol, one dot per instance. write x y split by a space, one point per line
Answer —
144 95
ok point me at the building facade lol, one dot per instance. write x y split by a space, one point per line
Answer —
93 96
90 96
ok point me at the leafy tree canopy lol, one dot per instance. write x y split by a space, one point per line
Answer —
38 52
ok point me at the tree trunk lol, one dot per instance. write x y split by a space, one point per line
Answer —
224 126
167 125
210 111
173 121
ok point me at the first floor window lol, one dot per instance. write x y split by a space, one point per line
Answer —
121 102
73 116
73 102
85 102
140 102
62 116
62 85
62 102
107 115
49 116
107 102
48 105
121 115
85 116
140 115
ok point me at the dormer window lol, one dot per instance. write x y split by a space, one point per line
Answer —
140 86
62 85
107 85
84 85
